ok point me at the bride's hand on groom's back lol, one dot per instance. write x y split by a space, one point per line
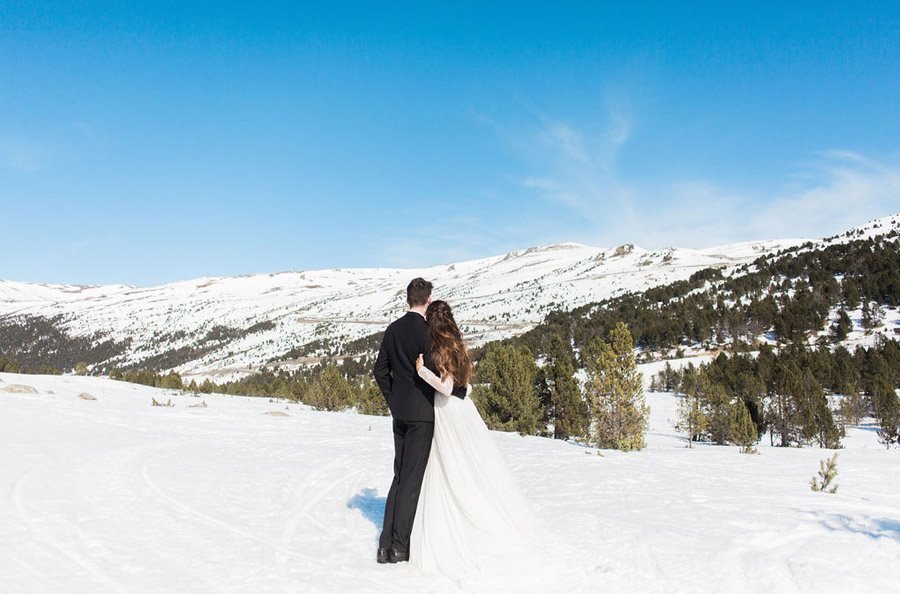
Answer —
420 362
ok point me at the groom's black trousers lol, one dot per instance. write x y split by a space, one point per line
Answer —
412 445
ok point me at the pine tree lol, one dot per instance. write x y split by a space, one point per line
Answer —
619 414
330 391
743 429
842 326
871 315
887 409
370 401
171 381
691 418
852 406
782 412
828 434
81 368
560 395
670 377
719 410
505 389
850 293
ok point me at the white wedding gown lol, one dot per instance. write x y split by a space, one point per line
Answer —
472 518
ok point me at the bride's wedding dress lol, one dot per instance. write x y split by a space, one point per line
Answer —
472 517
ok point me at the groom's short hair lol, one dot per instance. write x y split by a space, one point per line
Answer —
417 292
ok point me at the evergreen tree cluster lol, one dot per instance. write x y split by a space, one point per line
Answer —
564 406
8 365
168 381
325 387
608 411
709 411
37 343
786 393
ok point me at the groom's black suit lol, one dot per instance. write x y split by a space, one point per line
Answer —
411 401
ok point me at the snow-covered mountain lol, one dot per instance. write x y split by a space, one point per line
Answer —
223 327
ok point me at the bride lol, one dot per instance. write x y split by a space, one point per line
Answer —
471 516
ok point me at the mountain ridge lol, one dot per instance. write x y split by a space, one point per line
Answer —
226 327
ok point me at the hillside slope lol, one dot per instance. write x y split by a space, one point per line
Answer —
227 327
222 326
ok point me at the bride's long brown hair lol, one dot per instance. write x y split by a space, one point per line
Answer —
448 350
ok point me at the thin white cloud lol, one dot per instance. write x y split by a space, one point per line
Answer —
573 191
23 155
88 243
850 190
567 140
840 189
580 172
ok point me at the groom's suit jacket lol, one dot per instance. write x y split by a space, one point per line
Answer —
409 397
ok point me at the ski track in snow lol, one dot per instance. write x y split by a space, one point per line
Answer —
115 495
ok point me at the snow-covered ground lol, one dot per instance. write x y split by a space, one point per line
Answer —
249 495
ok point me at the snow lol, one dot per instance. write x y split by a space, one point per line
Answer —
115 495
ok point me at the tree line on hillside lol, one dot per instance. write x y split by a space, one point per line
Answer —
326 387
10 366
34 342
790 295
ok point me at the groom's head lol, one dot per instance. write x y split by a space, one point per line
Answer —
418 292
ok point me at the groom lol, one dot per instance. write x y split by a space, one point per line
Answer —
411 401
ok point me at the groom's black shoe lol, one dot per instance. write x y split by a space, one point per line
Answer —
395 556
383 556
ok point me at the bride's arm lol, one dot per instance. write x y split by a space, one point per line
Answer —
445 387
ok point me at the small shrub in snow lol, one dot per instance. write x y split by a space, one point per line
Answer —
827 473
155 402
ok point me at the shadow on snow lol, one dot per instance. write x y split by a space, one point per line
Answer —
370 505
876 528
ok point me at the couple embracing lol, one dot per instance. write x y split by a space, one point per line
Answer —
453 506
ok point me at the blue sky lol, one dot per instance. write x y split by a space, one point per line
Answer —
146 144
